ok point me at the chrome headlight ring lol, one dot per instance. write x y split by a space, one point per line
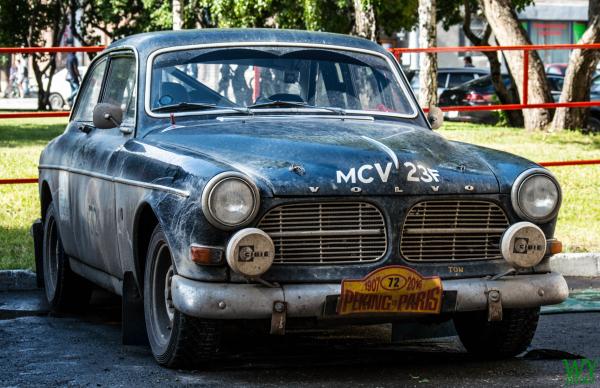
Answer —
208 197
516 192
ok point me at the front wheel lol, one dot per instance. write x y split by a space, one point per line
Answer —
498 339
177 340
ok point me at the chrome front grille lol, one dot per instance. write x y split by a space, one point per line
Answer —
453 230
326 232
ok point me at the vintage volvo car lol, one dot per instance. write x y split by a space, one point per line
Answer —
281 177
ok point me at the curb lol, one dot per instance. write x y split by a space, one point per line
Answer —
17 279
568 264
576 264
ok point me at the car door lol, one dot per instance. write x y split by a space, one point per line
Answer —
94 215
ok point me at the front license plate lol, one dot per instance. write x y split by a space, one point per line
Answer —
452 114
390 290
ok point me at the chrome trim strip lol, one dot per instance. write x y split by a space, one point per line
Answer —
326 233
305 116
385 148
393 66
453 231
129 182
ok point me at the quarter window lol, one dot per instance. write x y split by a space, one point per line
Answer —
88 96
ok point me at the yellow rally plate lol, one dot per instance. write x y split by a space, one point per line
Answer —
393 289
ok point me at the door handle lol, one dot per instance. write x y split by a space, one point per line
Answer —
85 128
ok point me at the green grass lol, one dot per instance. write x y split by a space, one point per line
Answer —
578 224
21 142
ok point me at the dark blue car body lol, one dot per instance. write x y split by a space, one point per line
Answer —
110 186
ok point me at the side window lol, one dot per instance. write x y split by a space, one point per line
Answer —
89 93
459 79
120 86
441 80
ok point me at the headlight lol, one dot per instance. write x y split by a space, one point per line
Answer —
230 200
536 195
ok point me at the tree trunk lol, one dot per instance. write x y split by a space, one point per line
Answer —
578 78
177 14
508 31
428 61
505 96
365 24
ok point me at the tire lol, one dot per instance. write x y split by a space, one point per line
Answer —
593 125
500 339
56 101
176 340
65 290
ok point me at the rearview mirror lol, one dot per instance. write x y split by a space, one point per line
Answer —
107 116
435 116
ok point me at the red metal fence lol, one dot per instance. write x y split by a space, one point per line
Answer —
525 87
396 51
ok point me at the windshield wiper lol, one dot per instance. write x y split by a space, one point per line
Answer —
284 104
187 106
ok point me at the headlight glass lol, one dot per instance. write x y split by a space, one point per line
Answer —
231 201
538 196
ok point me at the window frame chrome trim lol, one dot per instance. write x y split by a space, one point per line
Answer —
393 65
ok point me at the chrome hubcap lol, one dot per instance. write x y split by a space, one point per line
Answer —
168 296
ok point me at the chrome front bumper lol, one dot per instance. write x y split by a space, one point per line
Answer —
255 301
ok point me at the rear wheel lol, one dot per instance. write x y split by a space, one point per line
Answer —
593 124
177 340
65 290
498 339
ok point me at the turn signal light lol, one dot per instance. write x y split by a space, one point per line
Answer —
204 255
554 246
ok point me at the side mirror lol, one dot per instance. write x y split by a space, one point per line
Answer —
107 116
435 116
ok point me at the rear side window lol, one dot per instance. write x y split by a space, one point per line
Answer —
120 86
90 93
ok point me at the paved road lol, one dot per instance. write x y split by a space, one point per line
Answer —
18 103
85 350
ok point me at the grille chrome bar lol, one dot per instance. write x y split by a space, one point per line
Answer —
453 230
301 233
326 233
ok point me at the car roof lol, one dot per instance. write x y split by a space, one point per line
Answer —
151 41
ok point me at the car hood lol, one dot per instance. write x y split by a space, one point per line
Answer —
295 155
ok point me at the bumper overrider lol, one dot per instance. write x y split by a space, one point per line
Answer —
256 301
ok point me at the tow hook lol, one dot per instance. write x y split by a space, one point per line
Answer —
494 305
278 318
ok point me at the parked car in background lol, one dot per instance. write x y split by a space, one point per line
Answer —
450 77
481 92
556 68
60 90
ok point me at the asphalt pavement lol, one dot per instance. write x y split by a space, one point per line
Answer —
41 349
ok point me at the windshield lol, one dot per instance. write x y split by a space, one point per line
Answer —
275 78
